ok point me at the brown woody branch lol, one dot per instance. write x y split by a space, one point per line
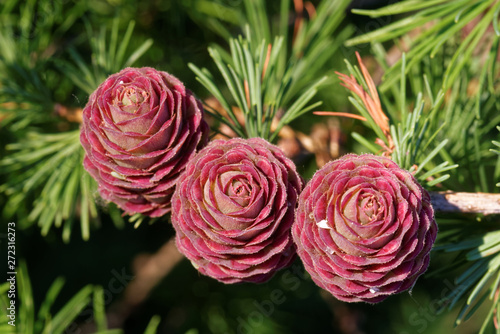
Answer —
449 201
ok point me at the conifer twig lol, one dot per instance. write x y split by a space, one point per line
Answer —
450 201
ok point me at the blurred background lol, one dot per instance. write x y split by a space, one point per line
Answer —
141 273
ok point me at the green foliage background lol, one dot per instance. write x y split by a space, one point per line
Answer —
75 256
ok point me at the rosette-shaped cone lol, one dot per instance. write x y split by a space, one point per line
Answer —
233 210
140 127
364 228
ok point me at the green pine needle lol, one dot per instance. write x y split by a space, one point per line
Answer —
266 81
